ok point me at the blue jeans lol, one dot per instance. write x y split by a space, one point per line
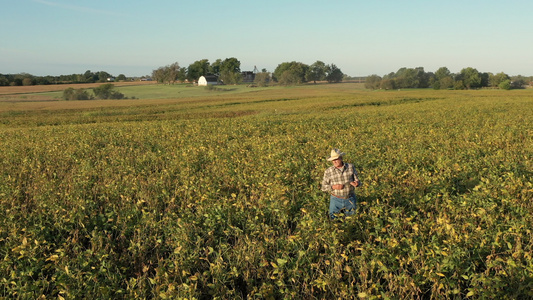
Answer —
346 206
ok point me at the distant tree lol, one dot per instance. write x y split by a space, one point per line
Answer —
17 81
373 82
446 83
403 78
79 78
458 84
484 79
435 84
290 77
411 78
441 79
159 74
27 81
68 94
172 72
518 82
214 68
471 78
230 71
295 73
389 76
44 80
167 74
197 69
90 77
76 94
121 77
103 76
182 74
429 78
4 81
316 72
333 74
231 64
441 73
423 77
496 79
262 79
388 84
505 85
280 69
106 91
228 77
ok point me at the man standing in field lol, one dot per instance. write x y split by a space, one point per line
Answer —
340 180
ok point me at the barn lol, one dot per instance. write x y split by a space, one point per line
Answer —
208 80
248 76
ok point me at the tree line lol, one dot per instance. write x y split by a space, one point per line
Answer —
104 91
467 78
291 73
25 79
288 73
229 72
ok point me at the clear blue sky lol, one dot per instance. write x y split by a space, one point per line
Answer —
54 37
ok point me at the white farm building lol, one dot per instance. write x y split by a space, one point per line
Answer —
208 80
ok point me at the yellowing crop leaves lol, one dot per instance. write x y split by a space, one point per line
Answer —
220 196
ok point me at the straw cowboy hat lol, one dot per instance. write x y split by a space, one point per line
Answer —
335 154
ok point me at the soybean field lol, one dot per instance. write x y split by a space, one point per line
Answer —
215 194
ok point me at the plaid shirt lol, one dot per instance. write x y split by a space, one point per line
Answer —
343 176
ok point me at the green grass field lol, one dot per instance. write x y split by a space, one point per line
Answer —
141 91
216 194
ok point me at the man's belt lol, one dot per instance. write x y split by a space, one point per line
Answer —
341 197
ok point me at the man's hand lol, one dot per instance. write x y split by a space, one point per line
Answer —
337 186
355 183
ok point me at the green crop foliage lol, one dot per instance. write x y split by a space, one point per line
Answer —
219 196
